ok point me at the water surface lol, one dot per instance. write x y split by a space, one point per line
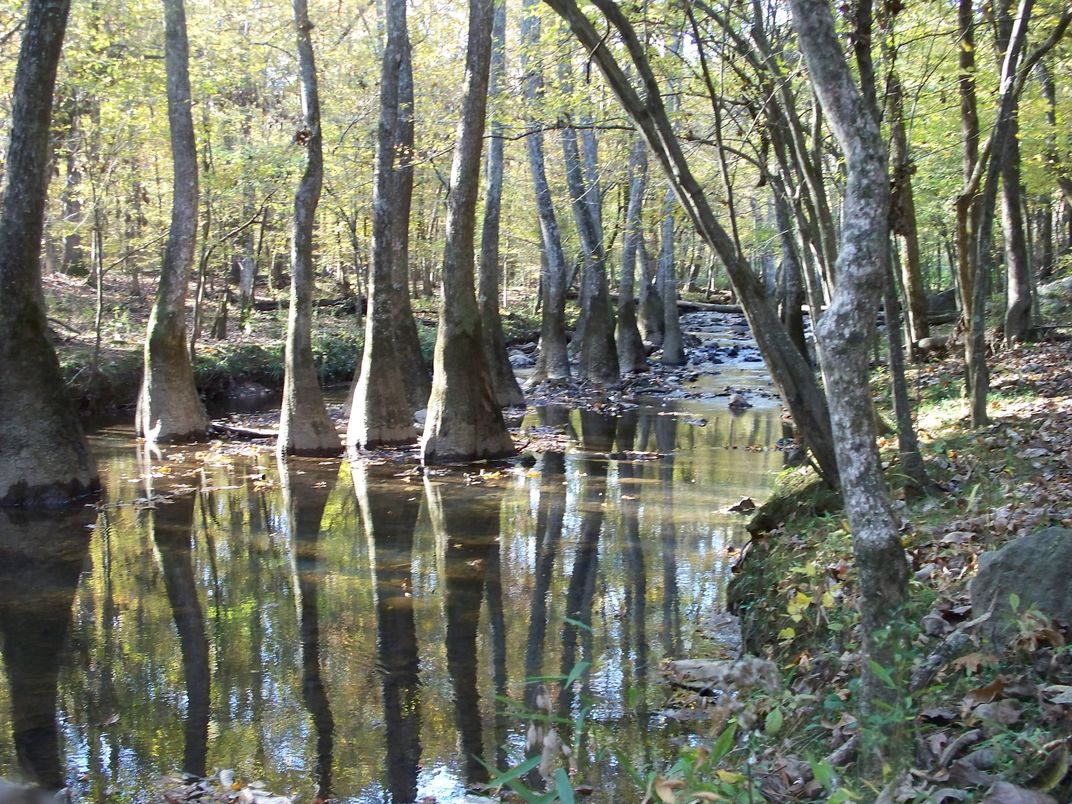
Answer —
365 632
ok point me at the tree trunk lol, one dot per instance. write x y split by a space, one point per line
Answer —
651 301
1018 291
418 381
304 425
503 383
464 421
792 276
789 371
381 412
169 408
847 330
44 459
553 361
673 348
599 356
903 212
631 355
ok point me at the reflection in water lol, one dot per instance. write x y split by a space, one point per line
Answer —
172 531
469 519
390 515
665 439
41 557
305 495
549 518
597 436
312 619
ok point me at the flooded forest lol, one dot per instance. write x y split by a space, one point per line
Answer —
504 400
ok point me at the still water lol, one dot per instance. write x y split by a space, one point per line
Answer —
363 631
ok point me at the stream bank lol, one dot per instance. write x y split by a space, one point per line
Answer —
977 721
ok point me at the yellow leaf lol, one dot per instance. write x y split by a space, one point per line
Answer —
827 600
967 47
802 599
664 789
729 777
787 633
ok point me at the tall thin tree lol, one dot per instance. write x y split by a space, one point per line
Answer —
503 382
304 425
169 408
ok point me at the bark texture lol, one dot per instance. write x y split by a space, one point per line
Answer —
503 382
464 421
304 425
631 354
847 330
381 413
44 459
169 408
553 361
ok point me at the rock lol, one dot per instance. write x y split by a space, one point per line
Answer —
419 416
1035 569
936 343
11 793
1055 297
519 359
942 302
1006 793
745 505
738 403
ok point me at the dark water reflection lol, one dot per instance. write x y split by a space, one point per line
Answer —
352 633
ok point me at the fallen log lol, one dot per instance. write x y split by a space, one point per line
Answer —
687 306
232 431
346 304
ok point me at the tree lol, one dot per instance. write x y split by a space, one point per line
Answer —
631 356
169 408
381 412
553 362
789 370
464 422
304 425
44 458
847 330
503 383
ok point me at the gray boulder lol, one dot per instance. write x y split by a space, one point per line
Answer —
1036 569
1056 297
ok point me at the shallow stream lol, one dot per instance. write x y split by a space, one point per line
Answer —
366 632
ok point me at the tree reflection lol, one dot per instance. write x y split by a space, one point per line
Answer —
172 530
549 516
389 510
305 495
597 436
41 557
666 441
470 518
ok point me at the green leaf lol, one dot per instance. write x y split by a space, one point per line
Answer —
823 774
883 674
773 723
576 672
563 787
498 780
579 624
724 744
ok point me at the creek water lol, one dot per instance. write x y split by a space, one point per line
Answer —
366 631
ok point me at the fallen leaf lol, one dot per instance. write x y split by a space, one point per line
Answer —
1006 793
985 694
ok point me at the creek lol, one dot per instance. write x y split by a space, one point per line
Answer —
369 631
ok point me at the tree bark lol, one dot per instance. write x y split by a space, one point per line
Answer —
847 330
631 355
417 379
673 347
380 412
504 384
1018 291
169 408
464 421
789 371
903 212
304 425
44 459
553 361
599 356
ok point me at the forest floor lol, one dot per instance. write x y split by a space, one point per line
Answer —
980 723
